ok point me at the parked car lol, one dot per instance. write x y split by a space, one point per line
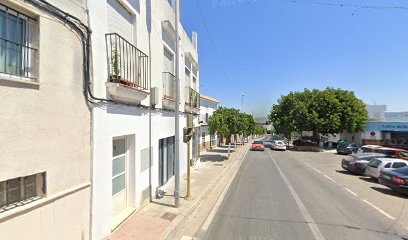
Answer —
279 145
347 148
394 152
268 144
378 164
370 148
396 179
257 146
356 163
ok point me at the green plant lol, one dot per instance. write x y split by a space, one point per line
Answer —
115 62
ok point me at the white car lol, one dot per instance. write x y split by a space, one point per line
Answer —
375 166
278 145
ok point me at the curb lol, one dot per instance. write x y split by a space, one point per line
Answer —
171 230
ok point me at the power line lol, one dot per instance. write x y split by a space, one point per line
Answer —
357 6
211 40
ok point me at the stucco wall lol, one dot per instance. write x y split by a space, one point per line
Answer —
144 126
46 127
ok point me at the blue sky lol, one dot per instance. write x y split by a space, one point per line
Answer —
271 47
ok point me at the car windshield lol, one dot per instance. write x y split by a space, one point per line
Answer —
403 170
374 163
258 142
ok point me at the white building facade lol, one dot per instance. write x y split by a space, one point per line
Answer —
133 44
208 106
45 125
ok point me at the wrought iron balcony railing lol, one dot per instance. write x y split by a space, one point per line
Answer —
169 86
127 65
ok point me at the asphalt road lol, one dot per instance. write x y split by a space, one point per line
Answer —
276 196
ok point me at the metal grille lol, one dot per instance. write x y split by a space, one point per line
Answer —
169 86
127 65
17 57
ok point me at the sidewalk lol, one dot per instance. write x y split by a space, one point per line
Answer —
159 219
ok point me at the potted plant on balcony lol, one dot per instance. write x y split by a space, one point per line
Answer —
115 75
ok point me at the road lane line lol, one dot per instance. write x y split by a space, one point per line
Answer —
331 179
306 215
378 209
221 198
348 190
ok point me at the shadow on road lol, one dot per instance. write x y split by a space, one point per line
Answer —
347 172
390 192
369 179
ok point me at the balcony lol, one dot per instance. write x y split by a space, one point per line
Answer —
127 70
169 91
192 104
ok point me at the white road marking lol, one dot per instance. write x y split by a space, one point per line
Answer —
379 209
348 190
331 179
355 194
306 215
219 201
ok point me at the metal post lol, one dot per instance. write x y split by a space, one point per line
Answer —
177 112
188 196
242 102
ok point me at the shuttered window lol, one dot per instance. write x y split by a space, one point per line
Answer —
120 21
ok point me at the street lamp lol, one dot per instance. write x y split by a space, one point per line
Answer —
242 102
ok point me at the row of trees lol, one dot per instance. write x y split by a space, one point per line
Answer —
226 122
321 111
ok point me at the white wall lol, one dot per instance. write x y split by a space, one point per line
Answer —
144 126
46 127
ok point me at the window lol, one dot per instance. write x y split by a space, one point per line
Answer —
20 189
119 166
399 165
166 159
388 165
203 137
16 54
404 154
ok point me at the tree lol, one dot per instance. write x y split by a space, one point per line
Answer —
229 121
321 111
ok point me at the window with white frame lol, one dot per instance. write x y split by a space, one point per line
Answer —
16 191
17 56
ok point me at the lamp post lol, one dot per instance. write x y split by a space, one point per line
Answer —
177 112
242 102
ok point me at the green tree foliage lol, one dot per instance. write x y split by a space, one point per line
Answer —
322 111
229 121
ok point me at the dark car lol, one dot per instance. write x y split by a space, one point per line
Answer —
347 148
357 163
396 179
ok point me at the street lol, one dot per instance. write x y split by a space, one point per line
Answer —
276 195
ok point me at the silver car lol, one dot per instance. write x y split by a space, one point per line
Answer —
279 145
375 166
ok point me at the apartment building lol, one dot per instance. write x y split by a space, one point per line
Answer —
133 61
208 106
45 125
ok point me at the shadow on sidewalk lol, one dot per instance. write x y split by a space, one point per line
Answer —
213 158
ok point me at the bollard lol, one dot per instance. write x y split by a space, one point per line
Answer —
229 150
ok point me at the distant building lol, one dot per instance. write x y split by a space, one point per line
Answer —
207 108
376 112
384 128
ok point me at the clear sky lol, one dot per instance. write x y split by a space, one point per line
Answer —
271 47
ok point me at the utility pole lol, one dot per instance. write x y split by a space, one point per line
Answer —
242 102
177 111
